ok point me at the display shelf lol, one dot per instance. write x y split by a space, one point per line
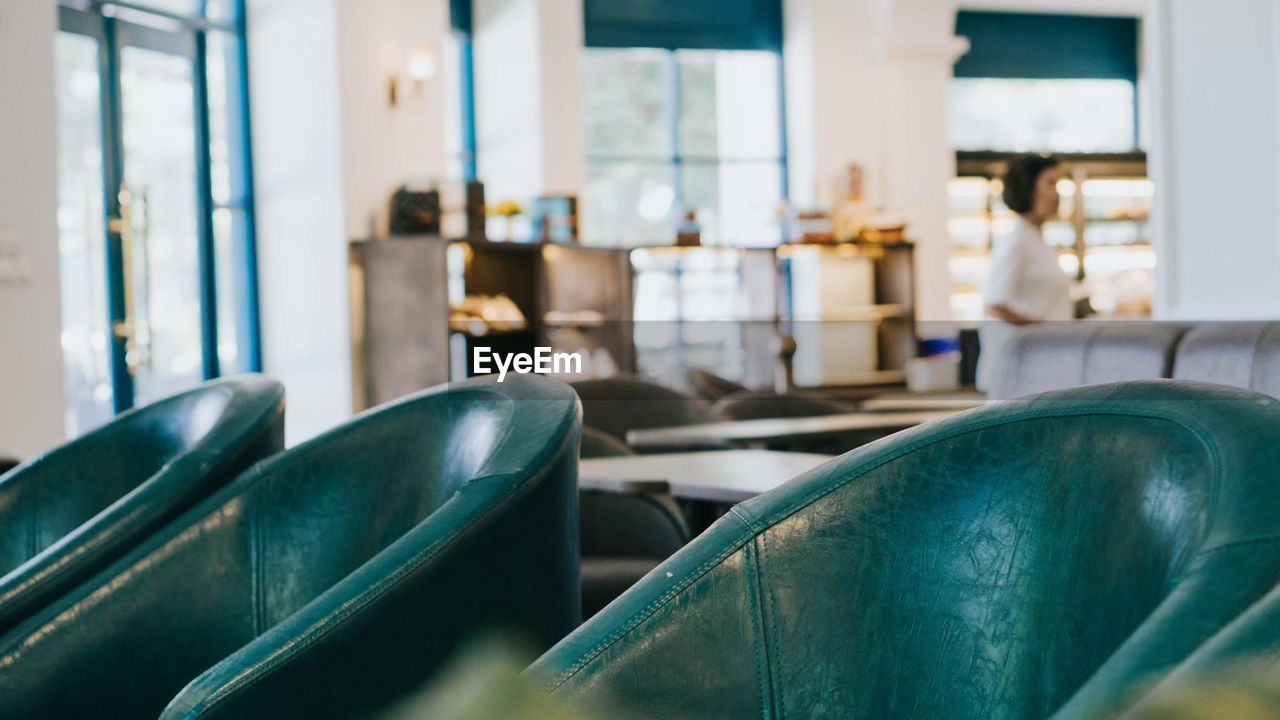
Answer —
1105 206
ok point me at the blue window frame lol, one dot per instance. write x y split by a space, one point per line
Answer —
178 185
463 148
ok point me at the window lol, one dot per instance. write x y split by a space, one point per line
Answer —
671 131
1024 115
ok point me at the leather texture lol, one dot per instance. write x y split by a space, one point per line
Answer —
1056 356
332 579
617 405
1239 354
623 535
712 387
70 512
762 405
1000 564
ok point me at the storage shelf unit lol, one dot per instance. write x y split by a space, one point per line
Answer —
659 311
402 290
1102 233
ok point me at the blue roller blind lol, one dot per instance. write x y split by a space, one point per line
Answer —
684 24
1036 46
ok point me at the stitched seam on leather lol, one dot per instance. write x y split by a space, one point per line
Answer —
780 700
260 671
857 472
259 601
654 606
751 572
1245 542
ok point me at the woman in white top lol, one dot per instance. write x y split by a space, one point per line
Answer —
1026 284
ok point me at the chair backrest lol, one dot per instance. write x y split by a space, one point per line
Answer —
68 513
596 444
330 580
1056 356
617 405
1240 354
712 387
992 564
761 405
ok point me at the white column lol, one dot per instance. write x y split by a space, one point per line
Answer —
1216 158
919 163
31 389
328 152
833 82
301 214
529 132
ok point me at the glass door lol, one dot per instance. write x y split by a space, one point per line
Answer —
157 214
146 187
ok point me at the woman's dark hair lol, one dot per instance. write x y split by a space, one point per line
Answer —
1021 178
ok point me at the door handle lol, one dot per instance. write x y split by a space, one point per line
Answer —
127 329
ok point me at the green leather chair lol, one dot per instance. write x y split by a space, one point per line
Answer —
333 579
992 565
617 405
68 513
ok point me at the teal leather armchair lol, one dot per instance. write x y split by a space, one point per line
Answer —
999 564
68 513
333 579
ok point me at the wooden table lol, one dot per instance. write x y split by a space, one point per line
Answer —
727 476
782 429
908 402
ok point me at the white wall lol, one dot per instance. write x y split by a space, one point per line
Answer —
1219 177
528 94
328 153
867 83
383 147
834 82
31 394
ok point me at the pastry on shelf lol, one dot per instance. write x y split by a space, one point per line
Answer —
483 314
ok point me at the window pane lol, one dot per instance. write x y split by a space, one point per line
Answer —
625 103
177 7
85 339
230 228
628 204
737 203
219 62
221 10
1036 115
729 105
157 99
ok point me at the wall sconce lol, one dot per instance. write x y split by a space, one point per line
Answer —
420 67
